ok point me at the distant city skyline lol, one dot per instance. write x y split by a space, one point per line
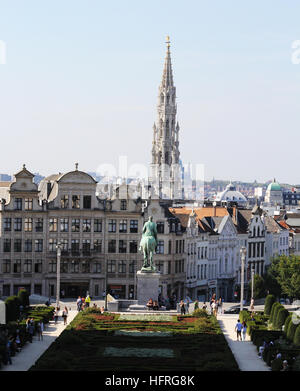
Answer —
80 84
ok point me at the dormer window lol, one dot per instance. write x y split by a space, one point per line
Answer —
64 201
75 202
123 205
87 202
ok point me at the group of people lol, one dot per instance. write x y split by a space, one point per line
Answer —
152 304
241 330
31 328
216 305
64 315
83 302
277 355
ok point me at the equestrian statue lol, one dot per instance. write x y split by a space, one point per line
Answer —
148 245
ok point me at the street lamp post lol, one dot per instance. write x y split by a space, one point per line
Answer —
105 306
243 256
252 282
58 247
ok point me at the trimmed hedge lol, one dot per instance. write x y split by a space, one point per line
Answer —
23 295
12 304
244 316
270 300
291 330
281 316
200 313
275 308
261 335
296 339
286 324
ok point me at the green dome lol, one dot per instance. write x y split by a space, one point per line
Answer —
274 186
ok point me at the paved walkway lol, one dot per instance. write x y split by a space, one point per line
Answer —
24 360
245 352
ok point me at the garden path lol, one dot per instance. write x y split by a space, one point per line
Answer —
245 352
24 360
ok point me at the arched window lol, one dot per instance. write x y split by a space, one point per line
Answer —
168 99
254 231
162 98
258 231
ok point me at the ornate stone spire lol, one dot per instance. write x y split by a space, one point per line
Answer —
167 78
165 145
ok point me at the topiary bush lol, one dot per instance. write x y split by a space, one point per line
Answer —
244 316
291 330
270 300
12 304
275 308
286 324
23 296
281 316
296 339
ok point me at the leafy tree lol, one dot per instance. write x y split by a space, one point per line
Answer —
272 285
287 271
258 287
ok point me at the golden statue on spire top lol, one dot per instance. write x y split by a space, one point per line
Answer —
168 41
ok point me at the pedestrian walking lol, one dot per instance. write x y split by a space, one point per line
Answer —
187 305
252 304
182 307
65 315
196 304
220 305
79 303
244 330
204 306
238 329
87 301
30 331
214 308
39 331
56 315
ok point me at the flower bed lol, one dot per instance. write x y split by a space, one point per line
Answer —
104 344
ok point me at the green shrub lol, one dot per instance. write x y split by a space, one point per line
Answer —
270 300
23 295
273 315
12 304
200 313
296 339
286 324
272 310
281 316
244 316
291 330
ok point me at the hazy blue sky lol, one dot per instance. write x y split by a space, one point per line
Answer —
81 83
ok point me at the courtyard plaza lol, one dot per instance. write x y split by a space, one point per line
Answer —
244 352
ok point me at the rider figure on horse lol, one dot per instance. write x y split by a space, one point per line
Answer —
148 245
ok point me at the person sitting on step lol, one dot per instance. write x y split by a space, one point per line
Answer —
150 304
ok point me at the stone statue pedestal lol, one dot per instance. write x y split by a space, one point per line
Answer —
147 286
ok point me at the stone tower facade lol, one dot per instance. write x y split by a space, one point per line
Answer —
165 176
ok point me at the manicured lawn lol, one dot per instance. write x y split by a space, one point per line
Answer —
109 342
